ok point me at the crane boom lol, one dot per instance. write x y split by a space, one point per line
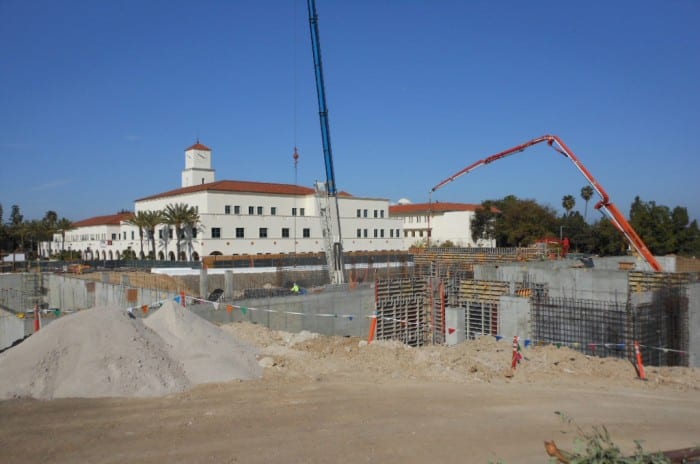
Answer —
330 211
616 217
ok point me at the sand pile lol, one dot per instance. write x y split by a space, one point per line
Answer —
102 352
207 353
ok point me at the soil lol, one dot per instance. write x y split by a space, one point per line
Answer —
333 399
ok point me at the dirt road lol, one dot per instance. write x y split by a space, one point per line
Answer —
320 422
327 400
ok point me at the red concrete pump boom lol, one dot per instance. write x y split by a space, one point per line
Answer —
605 204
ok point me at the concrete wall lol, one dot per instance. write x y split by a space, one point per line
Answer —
561 279
514 317
11 329
69 293
342 313
694 325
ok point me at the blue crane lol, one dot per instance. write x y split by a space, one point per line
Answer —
330 211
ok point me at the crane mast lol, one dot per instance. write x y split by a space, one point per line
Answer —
329 210
616 217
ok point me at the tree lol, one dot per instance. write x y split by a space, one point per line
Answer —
151 219
568 202
586 194
63 226
513 222
139 220
50 219
607 240
654 225
180 215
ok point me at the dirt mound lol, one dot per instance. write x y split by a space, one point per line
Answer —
94 353
206 352
484 360
101 352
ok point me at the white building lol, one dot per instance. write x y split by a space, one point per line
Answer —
442 221
237 217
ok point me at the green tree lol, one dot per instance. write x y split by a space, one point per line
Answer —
151 220
180 215
513 222
64 225
50 220
654 225
140 220
568 202
607 240
586 194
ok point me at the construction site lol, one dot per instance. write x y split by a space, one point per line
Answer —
434 354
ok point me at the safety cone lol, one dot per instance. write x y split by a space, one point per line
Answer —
372 329
640 364
37 320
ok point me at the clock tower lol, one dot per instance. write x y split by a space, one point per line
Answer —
198 168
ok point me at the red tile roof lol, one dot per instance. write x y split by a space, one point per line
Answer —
239 186
198 146
110 220
413 208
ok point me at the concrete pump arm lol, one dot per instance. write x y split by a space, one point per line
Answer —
617 218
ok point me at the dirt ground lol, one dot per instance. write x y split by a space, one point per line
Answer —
332 399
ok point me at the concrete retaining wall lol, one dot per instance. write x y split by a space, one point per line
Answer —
11 329
342 313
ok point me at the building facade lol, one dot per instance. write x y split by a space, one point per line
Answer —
235 217
436 223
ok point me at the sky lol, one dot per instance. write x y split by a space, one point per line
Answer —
99 100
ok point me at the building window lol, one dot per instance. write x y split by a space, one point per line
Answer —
301 211
306 232
376 233
132 235
194 232
285 232
170 232
240 232
381 233
364 233
260 210
215 232
420 233
381 213
236 209
364 213
114 236
227 209
251 210
273 211
376 213
391 233
294 211
359 213
398 234
359 232
263 232
418 218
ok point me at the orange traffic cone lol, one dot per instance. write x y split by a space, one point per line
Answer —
37 320
372 329
640 364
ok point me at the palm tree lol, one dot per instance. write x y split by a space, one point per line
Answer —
151 219
139 220
63 226
586 194
179 215
568 202
50 220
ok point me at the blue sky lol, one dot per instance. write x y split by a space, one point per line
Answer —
98 100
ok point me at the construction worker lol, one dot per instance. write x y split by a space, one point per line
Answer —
295 288
517 356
